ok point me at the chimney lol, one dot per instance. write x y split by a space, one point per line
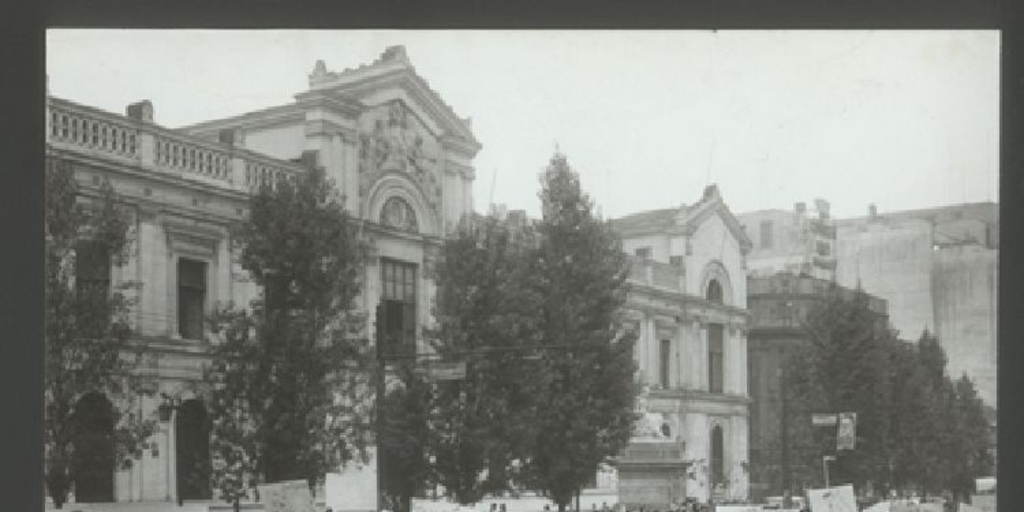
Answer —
232 137
310 159
823 208
872 211
141 111
800 207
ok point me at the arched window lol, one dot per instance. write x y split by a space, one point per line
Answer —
717 456
714 291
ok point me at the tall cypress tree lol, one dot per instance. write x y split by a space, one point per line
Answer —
587 413
487 314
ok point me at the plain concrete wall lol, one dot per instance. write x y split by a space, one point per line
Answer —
965 284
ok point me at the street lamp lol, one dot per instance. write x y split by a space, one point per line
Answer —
824 464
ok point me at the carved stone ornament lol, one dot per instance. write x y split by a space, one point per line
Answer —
397 214
396 145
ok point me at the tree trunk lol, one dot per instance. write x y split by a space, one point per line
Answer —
236 505
57 484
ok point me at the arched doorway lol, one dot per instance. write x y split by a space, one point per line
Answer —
92 465
192 441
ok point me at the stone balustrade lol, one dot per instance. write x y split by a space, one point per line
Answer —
93 130
655 273
105 135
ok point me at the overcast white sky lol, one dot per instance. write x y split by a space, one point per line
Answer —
903 119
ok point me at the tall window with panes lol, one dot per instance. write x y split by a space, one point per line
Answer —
396 320
191 298
716 359
666 363
92 286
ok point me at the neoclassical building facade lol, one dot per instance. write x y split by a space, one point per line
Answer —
687 304
400 155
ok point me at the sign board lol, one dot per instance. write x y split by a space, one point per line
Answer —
353 488
445 370
824 420
832 499
846 435
289 496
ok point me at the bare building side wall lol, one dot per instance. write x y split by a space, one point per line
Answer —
964 280
893 262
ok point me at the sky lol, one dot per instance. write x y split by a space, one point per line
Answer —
900 119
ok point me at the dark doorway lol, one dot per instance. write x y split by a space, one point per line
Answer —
717 456
92 466
192 439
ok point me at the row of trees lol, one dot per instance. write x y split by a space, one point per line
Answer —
549 392
290 384
291 394
917 428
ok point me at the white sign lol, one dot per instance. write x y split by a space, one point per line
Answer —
846 435
290 496
354 488
445 370
824 420
833 499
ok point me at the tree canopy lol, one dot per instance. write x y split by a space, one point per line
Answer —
88 328
290 397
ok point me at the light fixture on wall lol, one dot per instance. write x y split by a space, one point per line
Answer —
167 407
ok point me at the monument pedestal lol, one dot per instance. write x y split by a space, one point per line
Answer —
652 473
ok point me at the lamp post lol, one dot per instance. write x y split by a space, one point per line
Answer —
824 464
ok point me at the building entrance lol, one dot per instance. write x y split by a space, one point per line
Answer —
92 466
192 441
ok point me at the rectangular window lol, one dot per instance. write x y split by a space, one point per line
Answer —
191 298
666 360
824 249
643 252
92 286
766 234
676 261
716 360
397 320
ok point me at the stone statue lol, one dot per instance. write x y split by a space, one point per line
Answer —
649 425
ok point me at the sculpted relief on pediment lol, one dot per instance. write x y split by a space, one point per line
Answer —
392 139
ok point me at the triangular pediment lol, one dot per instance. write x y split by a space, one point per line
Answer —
712 205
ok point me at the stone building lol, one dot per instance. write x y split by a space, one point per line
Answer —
801 241
687 304
937 268
778 305
401 156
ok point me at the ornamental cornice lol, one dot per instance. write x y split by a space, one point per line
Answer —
337 103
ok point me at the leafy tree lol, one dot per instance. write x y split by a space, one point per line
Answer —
289 400
87 328
586 414
969 450
844 368
487 314
405 437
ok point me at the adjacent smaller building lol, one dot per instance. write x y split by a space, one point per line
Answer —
778 305
687 304
800 241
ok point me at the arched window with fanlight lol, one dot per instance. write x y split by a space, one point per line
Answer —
714 292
